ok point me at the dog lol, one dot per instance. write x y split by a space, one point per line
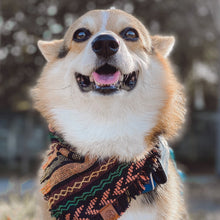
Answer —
109 90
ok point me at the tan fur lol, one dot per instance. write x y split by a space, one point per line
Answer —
50 48
172 113
157 100
160 43
171 201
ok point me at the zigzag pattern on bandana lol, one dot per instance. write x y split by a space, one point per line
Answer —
84 188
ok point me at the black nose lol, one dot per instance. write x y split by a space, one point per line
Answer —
105 45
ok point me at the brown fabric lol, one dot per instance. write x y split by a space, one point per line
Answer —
109 213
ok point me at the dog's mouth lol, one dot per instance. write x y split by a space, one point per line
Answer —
107 79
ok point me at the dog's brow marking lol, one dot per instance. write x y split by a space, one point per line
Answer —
105 16
63 52
89 21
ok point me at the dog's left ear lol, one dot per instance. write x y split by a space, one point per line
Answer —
50 49
163 44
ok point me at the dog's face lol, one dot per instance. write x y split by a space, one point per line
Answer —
104 82
107 50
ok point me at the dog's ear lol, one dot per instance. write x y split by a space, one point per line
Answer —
163 44
50 49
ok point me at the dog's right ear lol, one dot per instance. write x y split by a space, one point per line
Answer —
50 49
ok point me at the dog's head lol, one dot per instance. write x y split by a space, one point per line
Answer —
109 79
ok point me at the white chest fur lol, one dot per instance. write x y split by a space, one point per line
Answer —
123 137
140 211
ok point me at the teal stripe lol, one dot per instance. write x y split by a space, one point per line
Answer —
92 192
53 136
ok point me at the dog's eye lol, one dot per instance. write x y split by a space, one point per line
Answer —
129 34
81 34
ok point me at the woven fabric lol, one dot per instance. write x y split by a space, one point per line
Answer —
84 188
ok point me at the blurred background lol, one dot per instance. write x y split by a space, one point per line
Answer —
196 58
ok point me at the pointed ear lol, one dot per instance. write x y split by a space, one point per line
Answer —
50 49
164 44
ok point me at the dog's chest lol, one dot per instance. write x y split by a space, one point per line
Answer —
139 210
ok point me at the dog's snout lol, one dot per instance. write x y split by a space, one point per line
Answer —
105 45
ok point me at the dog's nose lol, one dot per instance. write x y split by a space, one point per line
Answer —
105 45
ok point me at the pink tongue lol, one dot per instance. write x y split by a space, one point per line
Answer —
106 79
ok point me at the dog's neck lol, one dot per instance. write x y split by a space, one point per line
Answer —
124 137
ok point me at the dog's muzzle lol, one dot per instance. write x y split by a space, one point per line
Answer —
106 79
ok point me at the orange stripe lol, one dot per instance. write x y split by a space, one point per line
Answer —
50 159
67 171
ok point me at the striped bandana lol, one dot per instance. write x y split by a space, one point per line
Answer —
84 188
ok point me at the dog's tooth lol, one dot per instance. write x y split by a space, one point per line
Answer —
99 84
96 82
91 78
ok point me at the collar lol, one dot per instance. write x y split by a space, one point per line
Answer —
79 187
